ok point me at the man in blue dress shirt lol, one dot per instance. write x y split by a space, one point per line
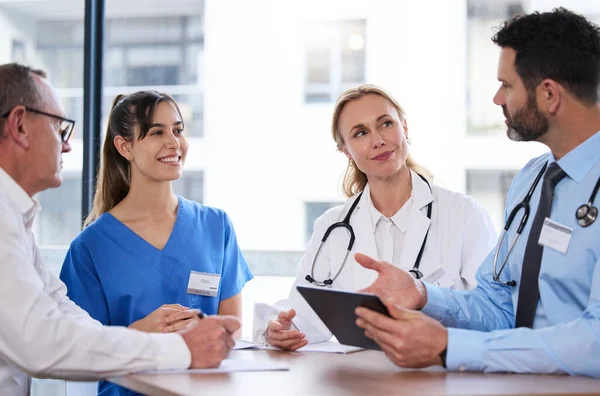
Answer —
541 312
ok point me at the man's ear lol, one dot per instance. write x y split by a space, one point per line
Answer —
551 95
16 129
123 147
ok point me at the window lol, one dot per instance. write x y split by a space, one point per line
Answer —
489 188
142 52
149 52
158 52
335 58
190 186
313 211
482 58
152 75
18 51
493 9
52 46
60 216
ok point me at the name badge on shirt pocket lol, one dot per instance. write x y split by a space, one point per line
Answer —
204 284
555 236
439 278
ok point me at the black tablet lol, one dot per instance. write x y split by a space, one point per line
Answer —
336 310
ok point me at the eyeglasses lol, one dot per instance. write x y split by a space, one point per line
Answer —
65 127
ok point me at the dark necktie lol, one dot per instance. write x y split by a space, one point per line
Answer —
528 288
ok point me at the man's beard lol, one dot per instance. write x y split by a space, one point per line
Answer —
528 123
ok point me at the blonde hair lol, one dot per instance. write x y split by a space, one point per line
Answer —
354 179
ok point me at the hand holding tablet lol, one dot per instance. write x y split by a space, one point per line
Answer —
336 309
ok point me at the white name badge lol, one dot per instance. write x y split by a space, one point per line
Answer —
204 284
555 236
439 278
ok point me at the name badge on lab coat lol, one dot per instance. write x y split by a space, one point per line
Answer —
204 284
439 278
555 236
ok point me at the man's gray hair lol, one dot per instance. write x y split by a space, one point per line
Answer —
18 87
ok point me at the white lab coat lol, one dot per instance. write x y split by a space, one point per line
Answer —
461 235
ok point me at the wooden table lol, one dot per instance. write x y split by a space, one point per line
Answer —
359 373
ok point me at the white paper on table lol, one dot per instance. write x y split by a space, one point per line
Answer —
327 347
228 366
330 347
244 344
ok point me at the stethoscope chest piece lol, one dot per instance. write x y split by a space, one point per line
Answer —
416 273
586 214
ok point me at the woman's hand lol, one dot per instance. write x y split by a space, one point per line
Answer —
180 320
156 322
280 335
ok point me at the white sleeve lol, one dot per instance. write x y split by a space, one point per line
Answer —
46 335
306 319
57 290
479 238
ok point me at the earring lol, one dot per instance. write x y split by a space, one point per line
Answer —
351 162
408 140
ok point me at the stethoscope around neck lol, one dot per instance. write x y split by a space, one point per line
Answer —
586 215
345 223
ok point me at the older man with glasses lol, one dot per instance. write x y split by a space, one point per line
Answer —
42 332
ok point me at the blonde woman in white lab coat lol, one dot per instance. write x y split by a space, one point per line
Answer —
390 220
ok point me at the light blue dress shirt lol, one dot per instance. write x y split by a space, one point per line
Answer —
566 333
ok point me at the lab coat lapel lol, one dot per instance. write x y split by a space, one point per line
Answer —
418 223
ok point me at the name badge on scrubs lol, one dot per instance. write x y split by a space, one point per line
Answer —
204 284
439 278
555 236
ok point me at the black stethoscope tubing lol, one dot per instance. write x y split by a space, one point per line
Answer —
345 223
586 214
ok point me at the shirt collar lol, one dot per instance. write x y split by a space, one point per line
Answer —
27 206
579 161
376 215
420 197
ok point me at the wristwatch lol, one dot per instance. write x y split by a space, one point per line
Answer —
443 357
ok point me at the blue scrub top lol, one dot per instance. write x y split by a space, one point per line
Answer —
118 277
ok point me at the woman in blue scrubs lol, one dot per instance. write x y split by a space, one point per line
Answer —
149 259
